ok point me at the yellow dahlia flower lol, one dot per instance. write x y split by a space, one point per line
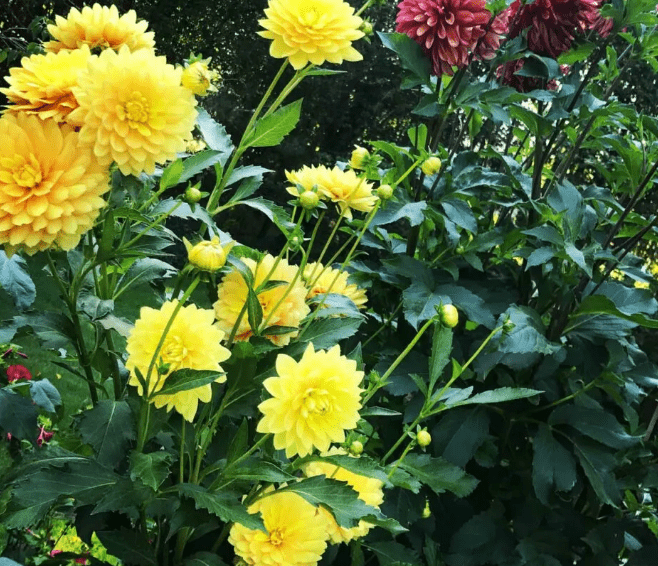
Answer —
232 293
369 490
133 110
199 78
309 178
43 84
50 188
313 401
348 191
208 255
321 279
312 31
192 342
296 533
99 27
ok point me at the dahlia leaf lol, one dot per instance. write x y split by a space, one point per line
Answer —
214 134
410 53
328 332
552 465
108 427
152 468
272 129
200 161
131 546
45 395
439 474
16 281
203 559
17 415
187 379
171 175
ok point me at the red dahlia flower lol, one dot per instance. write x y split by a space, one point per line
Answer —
448 30
552 23
16 372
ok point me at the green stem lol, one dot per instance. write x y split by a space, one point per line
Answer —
384 325
364 7
235 462
401 458
311 280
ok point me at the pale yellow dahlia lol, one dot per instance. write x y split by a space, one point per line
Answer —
192 342
133 110
348 191
296 533
321 279
199 78
308 178
312 31
43 84
99 27
233 290
369 490
313 401
50 188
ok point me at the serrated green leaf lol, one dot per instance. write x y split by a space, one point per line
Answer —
272 129
598 465
328 332
439 474
131 546
499 396
214 134
391 553
441 350
258 470
187 379
597 424
108 427
17 415
45 395
171 174
15 280
552 465
152 468
410 53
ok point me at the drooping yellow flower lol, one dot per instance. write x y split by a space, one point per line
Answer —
192 342
199 78
43 84
348 191
50 188
99 27
368 489
133 110
312 31
296 533
314 401
233 290
321 279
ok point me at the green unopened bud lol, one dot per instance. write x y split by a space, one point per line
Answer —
423 438
163 368
431 166
309 200
193 194
508 326
385 192
367 28
359 157
427 512
356 448
449 316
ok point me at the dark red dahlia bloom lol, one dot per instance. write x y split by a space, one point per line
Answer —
447 30
552 23
603 26
16 372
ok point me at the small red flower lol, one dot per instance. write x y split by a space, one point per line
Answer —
44 436
552 23
448 30
16 372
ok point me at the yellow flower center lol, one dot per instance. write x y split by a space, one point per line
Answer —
24 173
309 16
173 352
135 111
276 537
316 401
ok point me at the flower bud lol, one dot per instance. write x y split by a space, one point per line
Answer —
309 200
356 448
198 78
449 316
207 255
367 28
431 166
423 438
385 192
359 156
427 512
192 194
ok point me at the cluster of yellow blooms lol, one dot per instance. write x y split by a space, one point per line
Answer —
99 94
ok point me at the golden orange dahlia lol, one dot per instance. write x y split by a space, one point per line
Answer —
321 279
312 31
192 342
133 110
369 490
99 27
43 84
314 401
233 290
296 533
50 188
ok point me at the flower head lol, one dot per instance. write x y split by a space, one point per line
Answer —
133 110
199 78
321 280
359 157
208 255
306 179
296 533
17 372
43 84
99 27
447 30
290 311
313 401
44 436
50 187
312 31
369 490
552 23
192 342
